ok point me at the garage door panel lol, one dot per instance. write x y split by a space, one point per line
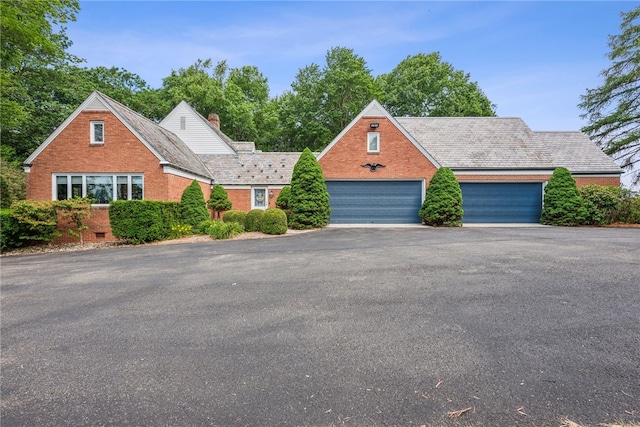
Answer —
501 202
377 202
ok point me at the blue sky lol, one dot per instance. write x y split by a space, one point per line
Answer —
532 59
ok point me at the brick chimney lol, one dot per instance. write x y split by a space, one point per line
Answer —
214 119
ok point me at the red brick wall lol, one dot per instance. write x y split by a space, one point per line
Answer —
400 157
582 181
122 152
241 198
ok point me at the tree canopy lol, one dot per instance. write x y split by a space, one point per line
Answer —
423 85
42 83
613 108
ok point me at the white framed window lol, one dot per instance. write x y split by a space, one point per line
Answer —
103 188
97 132
373 142
259 198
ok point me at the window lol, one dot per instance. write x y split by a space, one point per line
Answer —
373 142
100 187
183 122
97 132
259 198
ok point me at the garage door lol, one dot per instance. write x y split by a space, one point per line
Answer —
375 202
501 202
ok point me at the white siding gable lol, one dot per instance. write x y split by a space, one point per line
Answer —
197 132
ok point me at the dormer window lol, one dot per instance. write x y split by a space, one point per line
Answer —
97 132
373 142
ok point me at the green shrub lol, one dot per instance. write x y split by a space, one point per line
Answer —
283 201
192 205
274 221
142 220
222 230
75 212
309 199
180 230
219 200
602 203
38 219
13 182
9 231
562 204
252 220
629 208
235 216
283 198
442 204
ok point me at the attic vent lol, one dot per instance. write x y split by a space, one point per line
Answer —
183 122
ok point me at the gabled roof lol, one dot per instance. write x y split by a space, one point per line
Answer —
252 168
479 142
166 146
203 138
375 109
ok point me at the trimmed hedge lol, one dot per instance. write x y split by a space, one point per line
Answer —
219 200
274 221
235 216
143 220
253 219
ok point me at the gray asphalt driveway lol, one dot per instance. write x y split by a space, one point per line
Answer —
524 326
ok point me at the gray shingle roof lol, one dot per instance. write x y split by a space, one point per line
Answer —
504 142
167 144
478 142
576 152
251 168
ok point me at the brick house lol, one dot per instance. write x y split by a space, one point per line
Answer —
377 169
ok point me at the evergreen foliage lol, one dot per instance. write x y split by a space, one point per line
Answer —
143 220
443 200
219 200
602 203
10 231
235 216
562 203
283 198
253 219
309 200
192 205
274 221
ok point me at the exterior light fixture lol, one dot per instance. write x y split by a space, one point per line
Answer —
374 125
271 194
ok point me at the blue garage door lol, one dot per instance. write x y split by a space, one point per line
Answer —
375 202
501 202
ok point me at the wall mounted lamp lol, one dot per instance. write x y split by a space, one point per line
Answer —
374 125
271 194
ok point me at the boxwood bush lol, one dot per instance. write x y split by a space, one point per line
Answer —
235 216
253 219
274 221
143 220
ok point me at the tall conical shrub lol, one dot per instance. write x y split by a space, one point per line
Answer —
219 200
309 199
193 208
443 200
562 204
